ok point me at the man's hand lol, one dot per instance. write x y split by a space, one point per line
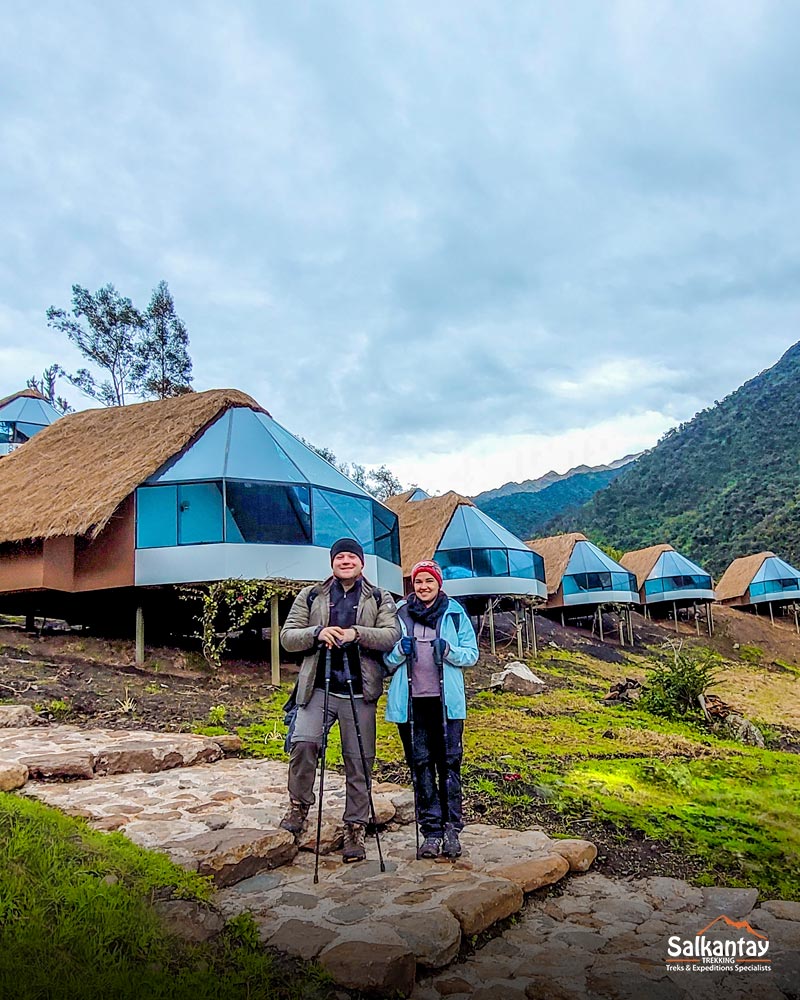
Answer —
335 636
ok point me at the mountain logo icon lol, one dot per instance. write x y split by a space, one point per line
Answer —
722 942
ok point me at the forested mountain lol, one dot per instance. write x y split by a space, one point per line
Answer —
548 479
526 513
725 484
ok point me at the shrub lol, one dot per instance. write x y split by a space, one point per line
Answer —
677 679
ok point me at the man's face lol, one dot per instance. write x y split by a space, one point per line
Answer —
346 566
426 587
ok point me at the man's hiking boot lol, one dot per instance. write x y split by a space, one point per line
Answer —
429 848
295 819
354 849
451 847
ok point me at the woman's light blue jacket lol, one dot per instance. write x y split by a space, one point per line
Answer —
457 631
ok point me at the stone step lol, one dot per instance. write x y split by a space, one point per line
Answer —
62 753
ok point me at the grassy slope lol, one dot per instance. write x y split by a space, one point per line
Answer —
75 922
732 809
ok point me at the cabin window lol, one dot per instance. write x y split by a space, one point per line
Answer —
267 513
527 565
387 533
156 516
199 513
337 515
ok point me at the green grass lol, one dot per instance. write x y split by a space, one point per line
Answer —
734 810
75 922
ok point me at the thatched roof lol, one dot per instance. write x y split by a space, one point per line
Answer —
556 551
423 523
23 393
641 561
71 477
737 577
399 500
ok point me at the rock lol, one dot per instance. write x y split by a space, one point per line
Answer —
670 893
230 856
500 991
18 717
579 853
386 969
783 909
301 939
433 935
533 874
736 727
229 744
139 755
65 766
518 679
452 985
109 823
12 776
403 803
331 834
483 904
384 809
734 903
191 921
545 988
349 913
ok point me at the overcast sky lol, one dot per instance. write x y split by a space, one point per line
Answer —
475 241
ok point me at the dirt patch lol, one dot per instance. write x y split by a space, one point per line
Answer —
77 686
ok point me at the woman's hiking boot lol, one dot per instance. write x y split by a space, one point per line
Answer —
354 849
430 848
451 846
295 819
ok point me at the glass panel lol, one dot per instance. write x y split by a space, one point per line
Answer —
204 460
505 537
315 469
156 516
26 431
337 515
581 582
268 513
490 562
199 513
455 535
479 531
253 454
387 533
587 558
521 564
6 432
456 563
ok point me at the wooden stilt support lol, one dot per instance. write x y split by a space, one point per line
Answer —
696 619
492 644
275 636
675 612
710 619
562 617
533 633
796 623
600 621
30 622
518 628
139 635
622 628
771 615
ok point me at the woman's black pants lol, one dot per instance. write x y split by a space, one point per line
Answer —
436 762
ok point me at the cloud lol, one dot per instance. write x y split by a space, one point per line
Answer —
414 231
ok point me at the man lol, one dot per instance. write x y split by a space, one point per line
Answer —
344 614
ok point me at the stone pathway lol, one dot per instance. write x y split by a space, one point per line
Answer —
410 929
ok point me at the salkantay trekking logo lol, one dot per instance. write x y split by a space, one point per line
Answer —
717 948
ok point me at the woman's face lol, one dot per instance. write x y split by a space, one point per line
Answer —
426 587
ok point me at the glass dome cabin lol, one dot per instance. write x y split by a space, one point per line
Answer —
248 499
23 415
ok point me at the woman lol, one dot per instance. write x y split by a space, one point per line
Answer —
438 641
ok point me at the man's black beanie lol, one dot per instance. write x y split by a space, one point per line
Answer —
347 545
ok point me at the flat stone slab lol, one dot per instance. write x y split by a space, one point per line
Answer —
66 752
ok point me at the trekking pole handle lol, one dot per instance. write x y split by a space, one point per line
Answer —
438 646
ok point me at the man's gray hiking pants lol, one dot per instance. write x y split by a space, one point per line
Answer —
306 742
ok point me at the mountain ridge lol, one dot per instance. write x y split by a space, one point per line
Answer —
549 479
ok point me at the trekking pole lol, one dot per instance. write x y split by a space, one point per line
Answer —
412 761
322 765
367 777
438 659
